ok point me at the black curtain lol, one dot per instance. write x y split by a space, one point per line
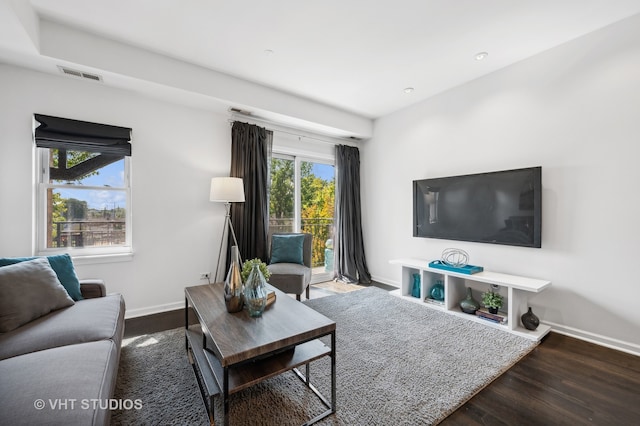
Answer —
250 156
350 261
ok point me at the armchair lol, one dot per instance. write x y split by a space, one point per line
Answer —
290 262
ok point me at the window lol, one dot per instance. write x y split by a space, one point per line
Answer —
84 191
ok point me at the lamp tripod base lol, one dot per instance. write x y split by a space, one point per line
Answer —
228 226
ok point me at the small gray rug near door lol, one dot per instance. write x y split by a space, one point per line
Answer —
397 363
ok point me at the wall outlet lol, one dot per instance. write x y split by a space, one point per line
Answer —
205 275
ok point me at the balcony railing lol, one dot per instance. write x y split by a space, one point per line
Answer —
322 230
89 233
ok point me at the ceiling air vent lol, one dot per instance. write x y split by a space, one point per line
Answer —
91 76
80 74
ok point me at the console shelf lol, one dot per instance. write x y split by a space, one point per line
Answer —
514 289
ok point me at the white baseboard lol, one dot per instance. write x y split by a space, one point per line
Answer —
598 339
141 312
386 281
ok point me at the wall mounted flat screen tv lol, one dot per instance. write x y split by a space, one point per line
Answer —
502 207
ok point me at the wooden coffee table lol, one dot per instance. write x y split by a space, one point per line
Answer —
235 351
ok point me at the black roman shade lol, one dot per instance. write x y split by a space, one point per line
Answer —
63 133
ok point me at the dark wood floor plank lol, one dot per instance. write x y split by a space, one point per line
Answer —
154 323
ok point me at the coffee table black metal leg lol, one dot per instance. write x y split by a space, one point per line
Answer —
212 417
308 381
333 372
186 323
331 406
225 395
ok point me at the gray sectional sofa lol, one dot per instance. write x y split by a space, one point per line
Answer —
61 368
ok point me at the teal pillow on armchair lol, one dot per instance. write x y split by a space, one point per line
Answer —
287 249
63 267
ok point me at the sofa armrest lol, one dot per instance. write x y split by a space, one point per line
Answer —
92 288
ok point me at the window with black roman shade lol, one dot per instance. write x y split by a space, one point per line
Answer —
56 132
84 187
110 142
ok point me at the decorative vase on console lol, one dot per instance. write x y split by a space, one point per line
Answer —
415 289
530 320
233 284
469 305
255 292
437 291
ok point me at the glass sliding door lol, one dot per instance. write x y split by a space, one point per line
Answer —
282 197
302 200
317 191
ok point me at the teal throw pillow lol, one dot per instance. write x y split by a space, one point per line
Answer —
287 249
63 267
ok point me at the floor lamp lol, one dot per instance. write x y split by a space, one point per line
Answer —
226 190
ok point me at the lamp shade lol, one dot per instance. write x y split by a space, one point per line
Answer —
227 190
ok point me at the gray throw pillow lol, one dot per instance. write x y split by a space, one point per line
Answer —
29 290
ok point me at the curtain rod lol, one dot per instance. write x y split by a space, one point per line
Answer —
291 131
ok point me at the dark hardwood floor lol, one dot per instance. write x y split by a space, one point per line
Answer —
153 323
563 381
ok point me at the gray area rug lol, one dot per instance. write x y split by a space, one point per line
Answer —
397 363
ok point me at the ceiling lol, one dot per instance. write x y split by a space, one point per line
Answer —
356 56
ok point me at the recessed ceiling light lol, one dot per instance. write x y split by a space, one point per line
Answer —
408 90
481 55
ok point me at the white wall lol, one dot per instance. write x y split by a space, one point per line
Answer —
176 230
574 110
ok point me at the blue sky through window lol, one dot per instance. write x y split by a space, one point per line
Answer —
323 171
109 176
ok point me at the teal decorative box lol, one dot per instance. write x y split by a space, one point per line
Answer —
466 269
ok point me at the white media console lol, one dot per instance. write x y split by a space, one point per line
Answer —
514 289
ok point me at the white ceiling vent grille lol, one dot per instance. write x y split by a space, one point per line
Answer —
80 74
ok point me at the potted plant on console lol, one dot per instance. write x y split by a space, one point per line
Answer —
492 301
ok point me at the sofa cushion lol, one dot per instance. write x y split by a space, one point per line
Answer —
88 320
29 290
63 266
287 248
82 372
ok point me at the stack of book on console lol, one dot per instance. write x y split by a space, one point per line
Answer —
271 297
486 315
434 301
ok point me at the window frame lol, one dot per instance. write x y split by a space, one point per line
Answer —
43 184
